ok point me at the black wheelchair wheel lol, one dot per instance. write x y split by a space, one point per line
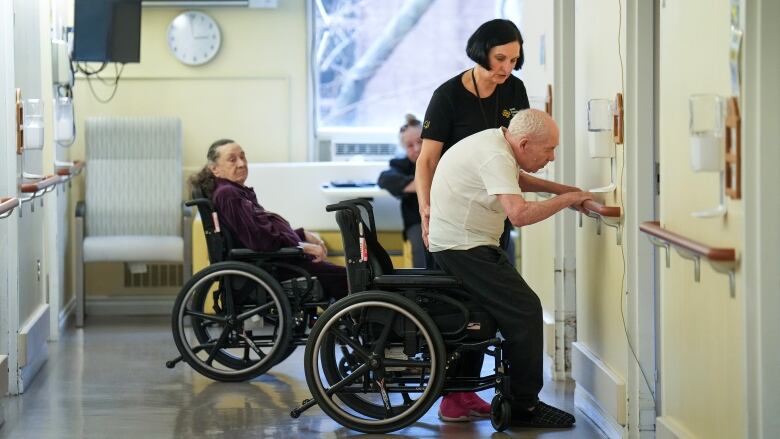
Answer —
500 413
231 321
352 376
286 354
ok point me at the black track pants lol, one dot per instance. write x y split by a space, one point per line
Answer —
486 273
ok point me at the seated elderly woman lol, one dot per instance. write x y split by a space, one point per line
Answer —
222 180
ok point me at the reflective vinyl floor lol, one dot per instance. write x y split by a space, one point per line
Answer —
108 380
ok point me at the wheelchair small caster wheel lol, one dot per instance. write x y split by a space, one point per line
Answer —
295 414
500 413
170 364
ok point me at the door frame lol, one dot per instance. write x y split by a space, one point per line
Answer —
761 152
565 264
9 293
641 288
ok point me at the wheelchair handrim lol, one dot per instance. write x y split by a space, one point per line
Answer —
194 289
315 362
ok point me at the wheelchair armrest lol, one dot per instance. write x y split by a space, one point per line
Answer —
247 254
416 280
419 271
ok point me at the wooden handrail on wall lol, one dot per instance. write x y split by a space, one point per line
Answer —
39 185
7 206
72 170
722 260
37 188
610 216
602 210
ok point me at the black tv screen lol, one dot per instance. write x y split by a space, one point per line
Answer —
107 31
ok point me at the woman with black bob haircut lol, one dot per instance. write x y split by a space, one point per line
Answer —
491 34
483 97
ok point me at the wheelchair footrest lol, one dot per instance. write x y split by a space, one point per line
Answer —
305 405
467 384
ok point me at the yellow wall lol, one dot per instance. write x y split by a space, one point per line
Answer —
702 328
599 260
254 90
537 242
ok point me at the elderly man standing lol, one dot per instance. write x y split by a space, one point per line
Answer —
478 184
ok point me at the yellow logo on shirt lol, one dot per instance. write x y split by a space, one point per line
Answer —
427 124
506 114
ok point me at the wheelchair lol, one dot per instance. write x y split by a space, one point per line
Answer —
378 359
234 320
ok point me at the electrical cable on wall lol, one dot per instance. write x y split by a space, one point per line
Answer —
88 74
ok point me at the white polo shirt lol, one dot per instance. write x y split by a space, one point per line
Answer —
465 211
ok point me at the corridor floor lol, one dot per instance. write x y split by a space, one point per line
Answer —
109 381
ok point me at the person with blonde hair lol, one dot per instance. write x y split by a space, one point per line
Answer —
399 181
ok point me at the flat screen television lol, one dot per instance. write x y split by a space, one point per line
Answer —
107 31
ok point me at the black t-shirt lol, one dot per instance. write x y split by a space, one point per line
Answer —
454 113
394 180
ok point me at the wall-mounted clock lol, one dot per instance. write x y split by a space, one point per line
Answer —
194 38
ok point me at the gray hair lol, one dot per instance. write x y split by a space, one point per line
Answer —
531 123
204 179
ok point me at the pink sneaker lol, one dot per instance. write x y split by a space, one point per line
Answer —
453 408
479 407
463 407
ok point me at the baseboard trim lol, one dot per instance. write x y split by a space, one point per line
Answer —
668 428
33 345
67 312
605 387
3 376
130 305
3 386
33 333
549 335
588 405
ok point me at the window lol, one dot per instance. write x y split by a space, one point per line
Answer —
374 61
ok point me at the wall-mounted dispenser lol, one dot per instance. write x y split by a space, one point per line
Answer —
600 137
707 117
64 129
33 124
33 132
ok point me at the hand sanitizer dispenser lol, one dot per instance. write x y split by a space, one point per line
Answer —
63 121
707 130
33 124
600 143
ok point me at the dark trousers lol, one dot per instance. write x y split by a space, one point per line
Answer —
333 278
486 273
421 257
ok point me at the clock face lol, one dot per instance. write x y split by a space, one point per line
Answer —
194 38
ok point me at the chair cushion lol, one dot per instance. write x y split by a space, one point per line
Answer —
133 248
134 179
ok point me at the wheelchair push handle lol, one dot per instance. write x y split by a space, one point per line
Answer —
348 204
354 205
197 202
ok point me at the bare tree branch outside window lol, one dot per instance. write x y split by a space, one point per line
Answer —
379 59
